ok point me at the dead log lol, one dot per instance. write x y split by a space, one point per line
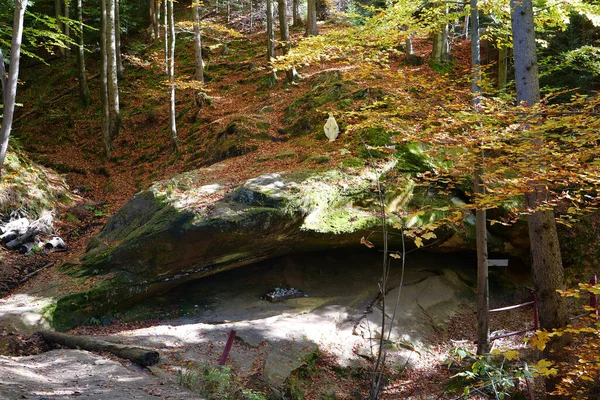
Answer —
136 354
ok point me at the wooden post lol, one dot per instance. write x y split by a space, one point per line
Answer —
227 348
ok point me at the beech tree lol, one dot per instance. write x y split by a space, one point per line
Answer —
105 120
284 31
270 40
296 20
171 74
9 86
199 74
112 69
547 268
84 90
311 18
483 299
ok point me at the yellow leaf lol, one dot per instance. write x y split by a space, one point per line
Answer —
366 242
395 255
511 355
418 242
429 235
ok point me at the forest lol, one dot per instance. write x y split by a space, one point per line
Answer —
303 199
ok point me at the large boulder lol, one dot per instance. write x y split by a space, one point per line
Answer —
182 229
185 228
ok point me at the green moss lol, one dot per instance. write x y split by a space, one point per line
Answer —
289 153
353 162
320 159
30 186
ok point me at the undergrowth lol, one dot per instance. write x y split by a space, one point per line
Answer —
216 384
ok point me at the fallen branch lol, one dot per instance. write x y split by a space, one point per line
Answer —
34 273
136 354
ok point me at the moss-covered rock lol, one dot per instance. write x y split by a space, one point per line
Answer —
179 230
183 229
30 186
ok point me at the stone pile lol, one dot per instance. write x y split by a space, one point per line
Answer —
18 233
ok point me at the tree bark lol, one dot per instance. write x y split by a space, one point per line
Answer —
270 40
483 297
525 63
502 67
171 70
9 88
166 28
152 15
58 9
546 268
105 127
118 39
112 70
199 75
284 31
84 90
136 354
296 20
311 18
67 31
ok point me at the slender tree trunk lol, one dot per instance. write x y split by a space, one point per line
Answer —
118 38
58 9
105 127
166 26
112 69
84 90
171 67
152 14
483 298
9 86
67 31
547 269
284 31
199 75
502 67
311 19
296 21
270 40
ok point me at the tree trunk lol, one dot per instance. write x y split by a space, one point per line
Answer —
58 9
546 268
84 90
311 18
118 38
483 297
270 40
502 67
152 14
9 86
171 68
199 75
136 354
166 27
67 31
106 138
526 66
296 20
284 31
112 70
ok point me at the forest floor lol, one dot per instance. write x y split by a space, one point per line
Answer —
57 132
